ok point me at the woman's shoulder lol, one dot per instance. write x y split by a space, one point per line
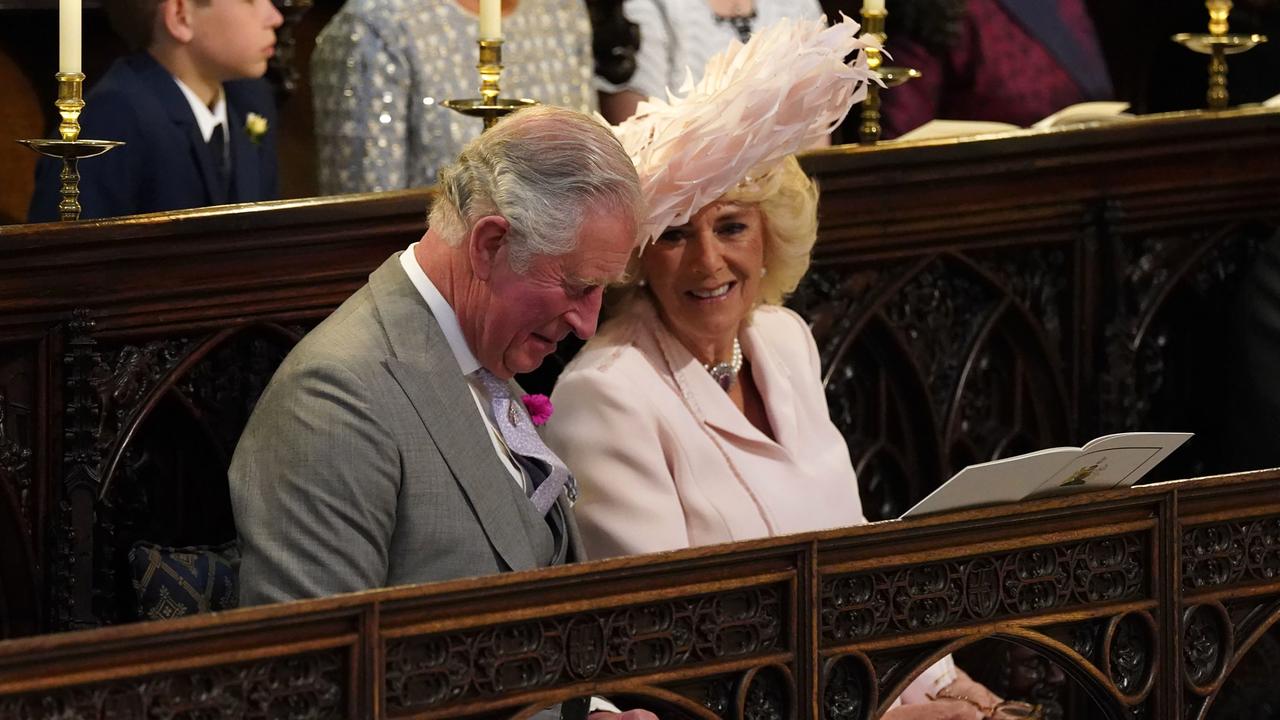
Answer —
613 377
618 347
776 320
785 334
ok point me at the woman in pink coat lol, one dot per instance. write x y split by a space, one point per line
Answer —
669 454
696 415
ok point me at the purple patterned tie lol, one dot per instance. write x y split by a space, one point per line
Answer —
520 436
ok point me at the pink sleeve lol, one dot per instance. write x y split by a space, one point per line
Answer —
937 676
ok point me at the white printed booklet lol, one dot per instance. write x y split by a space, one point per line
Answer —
1111 461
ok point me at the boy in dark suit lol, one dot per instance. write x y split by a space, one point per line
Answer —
198 120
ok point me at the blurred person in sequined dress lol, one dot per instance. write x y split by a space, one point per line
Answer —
676 35
382 67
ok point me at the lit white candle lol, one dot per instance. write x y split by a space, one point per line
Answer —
69 36
872 6
490 19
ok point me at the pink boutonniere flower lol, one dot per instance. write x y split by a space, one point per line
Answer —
539 407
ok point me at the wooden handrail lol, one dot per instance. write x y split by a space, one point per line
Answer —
1134 592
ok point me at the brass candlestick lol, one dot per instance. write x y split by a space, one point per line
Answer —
70 147
1218 44
873 25
490 105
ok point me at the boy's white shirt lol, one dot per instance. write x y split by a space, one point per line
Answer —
207 118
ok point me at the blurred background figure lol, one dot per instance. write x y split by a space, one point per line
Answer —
614 40
189 102
382 67
1013 61
679 34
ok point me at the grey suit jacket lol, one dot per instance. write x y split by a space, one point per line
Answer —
367 464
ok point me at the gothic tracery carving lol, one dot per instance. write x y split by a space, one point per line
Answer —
859 606
433 670
1130 648
846 691
1230 553
1206 634
938 313
768 695
311 686
15 465
1037 278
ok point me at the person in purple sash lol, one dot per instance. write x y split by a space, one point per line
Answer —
1014 61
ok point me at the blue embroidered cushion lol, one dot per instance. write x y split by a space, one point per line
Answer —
179 581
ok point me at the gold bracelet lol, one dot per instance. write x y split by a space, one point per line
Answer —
1003 710
986 710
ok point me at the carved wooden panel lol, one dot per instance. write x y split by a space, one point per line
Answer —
436 670
942 362
1080 577
887 602
1250 654
1231 554
753 630
18 433
1207 645
878 402
107 390
21 497
1164 363
970 301
181 404
311 685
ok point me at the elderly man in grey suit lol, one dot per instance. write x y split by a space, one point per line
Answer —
388 448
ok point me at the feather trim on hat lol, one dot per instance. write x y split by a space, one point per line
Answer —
781 92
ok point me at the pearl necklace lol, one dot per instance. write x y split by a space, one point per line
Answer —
726 373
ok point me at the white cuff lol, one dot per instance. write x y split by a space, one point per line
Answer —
599 704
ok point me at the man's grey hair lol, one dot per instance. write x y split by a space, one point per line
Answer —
543 169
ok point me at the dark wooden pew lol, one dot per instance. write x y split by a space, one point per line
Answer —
972 299
1150 599
131 352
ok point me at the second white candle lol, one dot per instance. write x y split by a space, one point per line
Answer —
490 19
68 36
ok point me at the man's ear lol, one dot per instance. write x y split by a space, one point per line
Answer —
486 245
174 18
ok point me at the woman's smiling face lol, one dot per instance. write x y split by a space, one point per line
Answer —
705 274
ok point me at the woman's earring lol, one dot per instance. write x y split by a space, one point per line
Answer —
764 271
642 282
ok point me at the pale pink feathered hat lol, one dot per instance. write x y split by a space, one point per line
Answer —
757 103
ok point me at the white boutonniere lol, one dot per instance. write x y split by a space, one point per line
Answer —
256 126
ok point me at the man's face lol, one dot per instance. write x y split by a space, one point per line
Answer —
234 38
525 315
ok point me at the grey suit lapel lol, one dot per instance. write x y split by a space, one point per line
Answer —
577 553
426 370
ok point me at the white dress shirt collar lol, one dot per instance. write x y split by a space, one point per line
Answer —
207 119
446 318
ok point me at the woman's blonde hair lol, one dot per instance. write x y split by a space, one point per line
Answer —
788 203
